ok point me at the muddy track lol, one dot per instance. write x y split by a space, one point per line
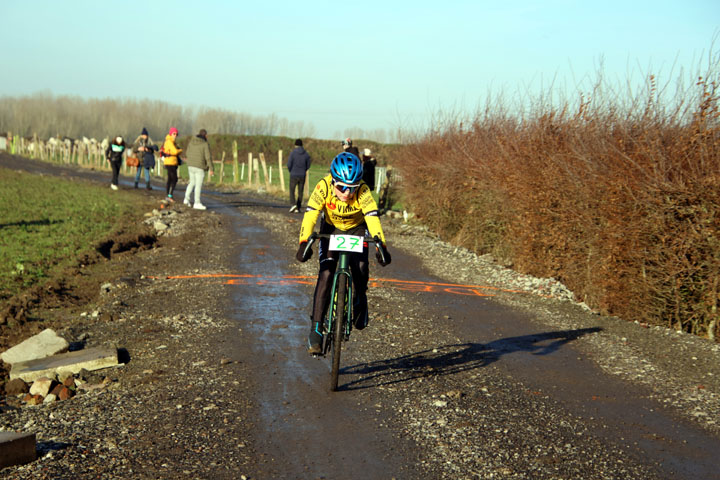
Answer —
456 377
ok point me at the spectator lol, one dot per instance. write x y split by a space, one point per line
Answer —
114 154
348 147
385 202
145 149
298 165
198 162
170 154
369 163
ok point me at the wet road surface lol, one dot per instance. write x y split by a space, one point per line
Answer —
304 431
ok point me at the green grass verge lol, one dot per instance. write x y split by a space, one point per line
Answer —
45 223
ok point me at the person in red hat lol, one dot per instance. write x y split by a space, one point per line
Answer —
170 153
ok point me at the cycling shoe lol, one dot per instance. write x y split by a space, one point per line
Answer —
315 340
360 313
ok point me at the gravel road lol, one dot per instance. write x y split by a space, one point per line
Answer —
467 370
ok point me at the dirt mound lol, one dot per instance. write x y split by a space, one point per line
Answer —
72 286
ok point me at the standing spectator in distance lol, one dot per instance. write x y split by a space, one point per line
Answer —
198 161
145 149
170 154
348 147
369 163
385 201
298 165
114 154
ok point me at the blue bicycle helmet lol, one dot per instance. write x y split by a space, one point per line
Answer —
346 168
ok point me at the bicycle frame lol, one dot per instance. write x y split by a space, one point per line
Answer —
342 269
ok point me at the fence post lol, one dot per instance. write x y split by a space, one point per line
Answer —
281 170
235 163
256 170
250 170
265 171
222 169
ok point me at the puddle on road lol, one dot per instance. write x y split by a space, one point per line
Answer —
293 398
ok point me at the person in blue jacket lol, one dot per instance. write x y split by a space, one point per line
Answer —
298 165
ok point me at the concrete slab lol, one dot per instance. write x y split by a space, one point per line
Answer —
16 448
89 359
42 345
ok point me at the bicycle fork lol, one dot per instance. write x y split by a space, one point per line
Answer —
343 269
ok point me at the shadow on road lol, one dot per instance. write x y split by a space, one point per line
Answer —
450 359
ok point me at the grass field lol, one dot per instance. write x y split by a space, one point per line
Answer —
45 223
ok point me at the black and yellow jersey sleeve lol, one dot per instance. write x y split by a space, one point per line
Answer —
343 215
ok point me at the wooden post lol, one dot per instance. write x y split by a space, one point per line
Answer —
265 171
242 171
250 170
236 170
306 190
270 169
281 170
222 169
256 170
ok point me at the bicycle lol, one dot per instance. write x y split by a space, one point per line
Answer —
337 331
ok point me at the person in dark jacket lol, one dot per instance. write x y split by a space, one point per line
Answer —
298 165
114 155
369 163
144 148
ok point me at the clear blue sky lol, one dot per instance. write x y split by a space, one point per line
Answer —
371 64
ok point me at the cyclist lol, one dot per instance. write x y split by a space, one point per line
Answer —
348 208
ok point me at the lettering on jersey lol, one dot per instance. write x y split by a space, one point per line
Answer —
347 209
366 200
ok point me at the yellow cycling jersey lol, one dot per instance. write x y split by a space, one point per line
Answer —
361 207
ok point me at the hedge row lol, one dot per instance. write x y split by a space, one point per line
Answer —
622 204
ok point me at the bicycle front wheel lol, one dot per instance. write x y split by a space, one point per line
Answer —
338 327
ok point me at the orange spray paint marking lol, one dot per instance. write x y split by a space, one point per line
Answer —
404 285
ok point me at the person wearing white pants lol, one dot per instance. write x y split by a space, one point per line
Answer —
197 175
198 161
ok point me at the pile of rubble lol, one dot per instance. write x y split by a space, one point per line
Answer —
43 370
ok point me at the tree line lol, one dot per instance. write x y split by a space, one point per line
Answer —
46 115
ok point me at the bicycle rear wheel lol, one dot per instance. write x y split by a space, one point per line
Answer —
338 327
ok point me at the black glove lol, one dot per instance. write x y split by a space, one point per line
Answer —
382 255
300 255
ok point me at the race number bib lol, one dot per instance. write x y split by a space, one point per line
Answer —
346 243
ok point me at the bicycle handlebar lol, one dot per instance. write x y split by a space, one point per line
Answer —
379 245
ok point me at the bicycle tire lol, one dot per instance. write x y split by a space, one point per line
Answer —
338 327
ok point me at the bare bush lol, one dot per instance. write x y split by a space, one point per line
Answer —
620 200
